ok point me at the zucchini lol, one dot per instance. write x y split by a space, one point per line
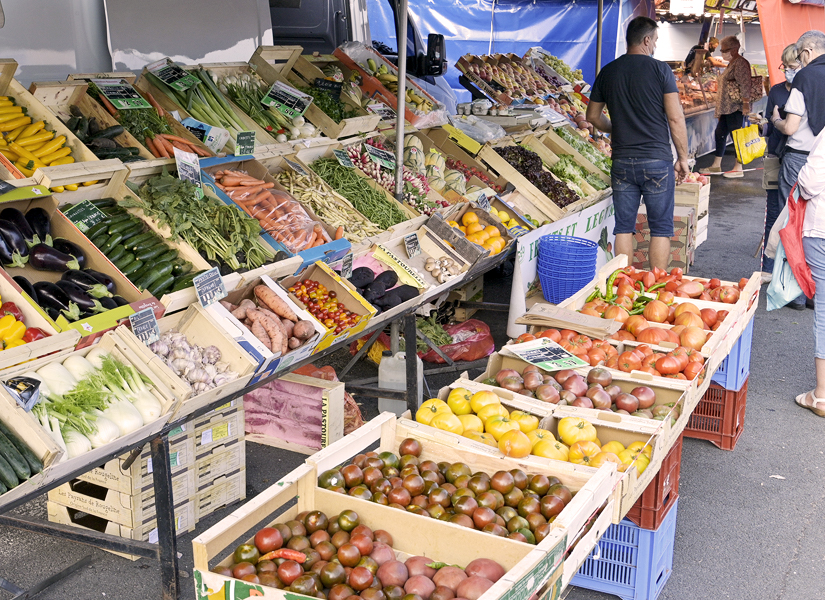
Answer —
96 230
142 239
128 234
34 463
72 122
182 268
119 217
166 256
140 273
151 252
181 283
161 285
109 132
157 271
113 241
100 239
125 261
14 458
3 488
116 253
132 268
104 202
123 225
104 153
7 476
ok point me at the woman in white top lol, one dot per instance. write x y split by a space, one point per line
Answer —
811 185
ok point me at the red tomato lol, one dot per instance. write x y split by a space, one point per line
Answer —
668 365
525 337
714 283
567 334
677 271
693 369
650 360
742 283
681 354
628 361
552 334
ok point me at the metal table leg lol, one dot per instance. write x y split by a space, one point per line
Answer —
20 593
165 507
412 364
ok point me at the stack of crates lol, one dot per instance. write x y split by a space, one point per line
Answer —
208 463
720 415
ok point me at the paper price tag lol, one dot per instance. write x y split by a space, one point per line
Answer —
121 94
334 87
483 202
382 110
206 437
545 354
209 287
149 468
189 168
346 266
343 158
245 143
213 137
174 459
145 326
287 100
220 431
84 215
412 245
296 167
382 157
172 75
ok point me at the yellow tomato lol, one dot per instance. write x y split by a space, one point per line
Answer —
614 447
526 421
484 438
551 449
430 409
459 401
498 426
640 446
447 421
635 459
471 423
514 444
604 457
583 453
492 410
538 435
481 399
576 429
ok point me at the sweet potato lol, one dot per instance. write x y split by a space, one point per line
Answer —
259 332
270 327
277 320
294 343
303 330
274 303
289 325
228 305
240 311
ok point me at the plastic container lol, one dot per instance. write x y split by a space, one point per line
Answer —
392 375
719 417
565 265
736 367
631 562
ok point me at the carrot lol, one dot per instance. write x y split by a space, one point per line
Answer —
179 146
175 138
339 233
151 146
255 182
108 106
162 153
167 146
274 303
200 151
151 100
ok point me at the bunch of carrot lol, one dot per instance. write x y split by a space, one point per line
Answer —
279 214
163 146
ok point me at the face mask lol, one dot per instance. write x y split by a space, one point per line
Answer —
789 75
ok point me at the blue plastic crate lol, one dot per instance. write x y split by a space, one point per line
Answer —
736 367
634 563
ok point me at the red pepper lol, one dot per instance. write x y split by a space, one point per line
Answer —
298 557
10 308
33 334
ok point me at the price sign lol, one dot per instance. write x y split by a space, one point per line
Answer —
84 215
209 287
215 138
412 245
545 354
333 87
121 94
346 266
172 75
296 167
25 390
287 100
189 168
385 112
244 143
343 158
145 326
483 202
382 157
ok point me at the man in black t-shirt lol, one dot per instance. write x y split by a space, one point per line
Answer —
640 93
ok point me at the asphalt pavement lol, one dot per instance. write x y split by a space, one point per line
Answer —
749 522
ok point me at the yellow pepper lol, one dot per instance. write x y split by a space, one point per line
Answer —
11 329
15 344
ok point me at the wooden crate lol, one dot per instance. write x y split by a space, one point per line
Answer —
528 567
222 491
9 86
559 145
60 96
303 73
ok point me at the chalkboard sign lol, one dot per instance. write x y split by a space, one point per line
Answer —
245 143
172 75
188 166
333 87
382 157
343 158
121 94
412 245
287 100
145 326
84 215
346 266
209 287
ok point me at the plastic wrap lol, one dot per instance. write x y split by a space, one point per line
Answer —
480 130
472 340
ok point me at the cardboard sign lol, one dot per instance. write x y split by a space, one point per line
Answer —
346 266
343 158
483 202
209 287
287 100
333 87
545 354
121 94
145 326
385 112
382 157
172 75
296 167
84 215
245 143
213 137
189 168
412 244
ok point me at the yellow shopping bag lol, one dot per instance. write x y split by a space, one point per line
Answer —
749 144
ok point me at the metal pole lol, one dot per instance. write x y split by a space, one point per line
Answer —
412 363
402 94
599 23
165 508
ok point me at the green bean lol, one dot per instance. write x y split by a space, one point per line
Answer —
371 203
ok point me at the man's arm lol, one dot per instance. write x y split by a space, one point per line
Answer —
789 125
678 131
595 116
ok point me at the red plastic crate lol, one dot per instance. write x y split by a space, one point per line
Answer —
719 417
661 494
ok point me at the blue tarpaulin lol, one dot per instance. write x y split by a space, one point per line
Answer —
563 28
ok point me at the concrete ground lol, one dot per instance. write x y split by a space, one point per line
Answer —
749 521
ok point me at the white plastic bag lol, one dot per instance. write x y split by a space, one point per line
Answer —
783 287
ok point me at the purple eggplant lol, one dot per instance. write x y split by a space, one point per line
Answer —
70 248
46 258
40 222
108 303
9 257
55 301
26 286
87 283
102 278
19 219
15 240
120 300
79 297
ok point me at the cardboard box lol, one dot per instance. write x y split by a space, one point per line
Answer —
218 427
219 460
682 244
221 492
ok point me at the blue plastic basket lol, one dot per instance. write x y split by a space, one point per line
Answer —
736 367
567 247
634 563
556 289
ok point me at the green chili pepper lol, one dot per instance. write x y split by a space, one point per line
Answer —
656 286
596 294
608 295
637 311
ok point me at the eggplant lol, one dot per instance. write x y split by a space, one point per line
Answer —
15 240
102 278
55 301
19 219
70 248
108 303
120 300
79 297
8 256
87 283
41 224
46 258
26 286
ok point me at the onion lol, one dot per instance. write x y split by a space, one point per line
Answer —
693 338
692 288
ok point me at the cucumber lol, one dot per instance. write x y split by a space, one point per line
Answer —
109 132
7 476
181 283
171 255
142 239
100 239
116 253
127 259
182 268
3 488
104 153
96 230
142 271
161 285
122 226
113 241
118 217
14 458
151 252
158 271
34 463
132 268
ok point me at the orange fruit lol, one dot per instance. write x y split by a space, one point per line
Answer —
463 229
469 218
475 228
476 238
452 223
492 230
